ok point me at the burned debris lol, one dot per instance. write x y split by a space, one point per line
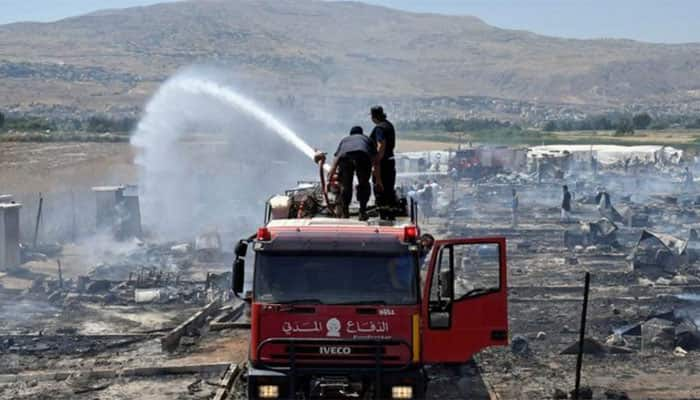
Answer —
89 316
122 306
658 255
601 232
634 217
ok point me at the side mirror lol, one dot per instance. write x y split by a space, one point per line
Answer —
446 285
241 248
238 275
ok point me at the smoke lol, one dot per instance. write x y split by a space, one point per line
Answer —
209 157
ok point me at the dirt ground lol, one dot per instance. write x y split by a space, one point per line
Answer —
423 145
545 296
45 167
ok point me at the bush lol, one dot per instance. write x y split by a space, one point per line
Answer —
659 125
550 126
28 124
641 121
693 124
590 123
624 127
455 125
63 137
104 124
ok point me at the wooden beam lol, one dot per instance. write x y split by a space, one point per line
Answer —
226 383
229 320
170 341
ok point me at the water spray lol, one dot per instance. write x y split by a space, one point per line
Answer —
209 156
228 96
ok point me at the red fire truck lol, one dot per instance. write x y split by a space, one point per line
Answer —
481 161
348 309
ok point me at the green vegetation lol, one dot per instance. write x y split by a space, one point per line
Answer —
695 124
473 129
625 128
95 123
104 124
641 121
27 124
457 125
63 137
464 130
624 124
502 136
622 129
632 130
96 128
681 139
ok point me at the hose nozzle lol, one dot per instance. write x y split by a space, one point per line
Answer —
320 157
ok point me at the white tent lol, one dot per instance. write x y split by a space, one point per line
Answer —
609 154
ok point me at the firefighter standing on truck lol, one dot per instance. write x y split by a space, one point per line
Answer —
384 136
355 156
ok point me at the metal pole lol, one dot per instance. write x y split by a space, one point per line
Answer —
582 333
74 228
60 274
38 219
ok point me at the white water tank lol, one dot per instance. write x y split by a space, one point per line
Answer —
279 207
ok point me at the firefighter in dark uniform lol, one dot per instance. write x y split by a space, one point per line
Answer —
384 136
355 156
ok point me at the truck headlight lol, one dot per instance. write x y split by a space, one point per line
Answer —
401 392
268 391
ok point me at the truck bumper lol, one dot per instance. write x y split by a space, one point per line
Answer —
319 384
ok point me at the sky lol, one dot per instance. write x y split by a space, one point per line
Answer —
662 21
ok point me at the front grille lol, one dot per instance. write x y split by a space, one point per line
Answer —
351 352
357 353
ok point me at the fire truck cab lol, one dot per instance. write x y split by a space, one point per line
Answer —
348 309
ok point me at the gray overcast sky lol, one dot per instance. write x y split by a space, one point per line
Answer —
671 21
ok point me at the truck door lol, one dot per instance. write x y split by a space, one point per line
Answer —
465 301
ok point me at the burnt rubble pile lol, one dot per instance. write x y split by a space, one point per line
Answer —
663 256
153 273
145 257
667 330
601 233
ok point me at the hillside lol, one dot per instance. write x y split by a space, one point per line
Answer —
341 52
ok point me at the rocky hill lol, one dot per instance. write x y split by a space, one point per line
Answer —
337 52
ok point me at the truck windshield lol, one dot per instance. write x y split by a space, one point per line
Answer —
336 279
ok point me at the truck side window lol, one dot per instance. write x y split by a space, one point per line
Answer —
440 291
443 264
462 271
477 268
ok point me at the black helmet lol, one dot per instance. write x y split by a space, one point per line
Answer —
356 130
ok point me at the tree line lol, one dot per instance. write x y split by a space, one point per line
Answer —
94 124
457 125
623 123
